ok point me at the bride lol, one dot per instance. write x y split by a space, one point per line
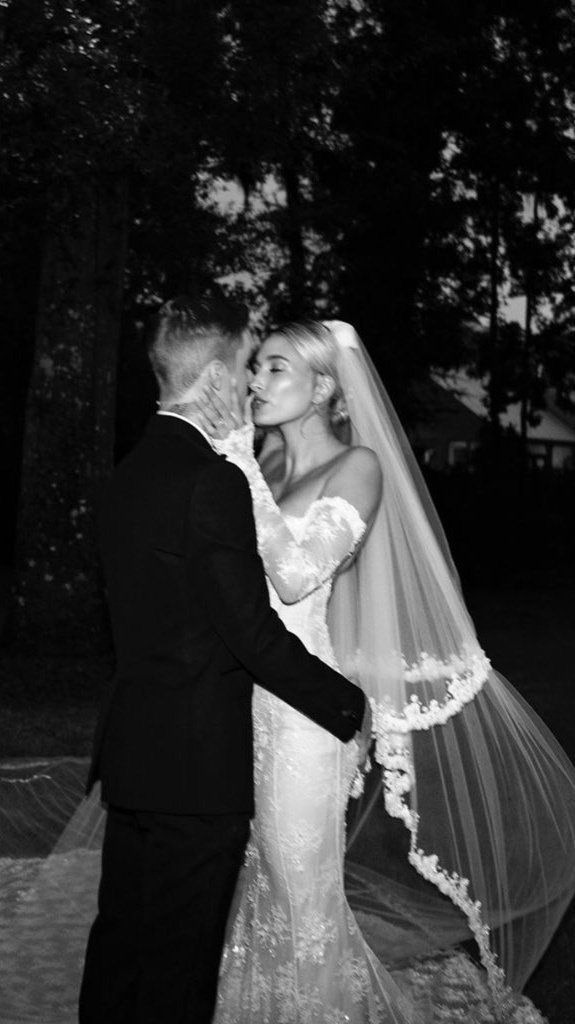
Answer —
356 561
295 952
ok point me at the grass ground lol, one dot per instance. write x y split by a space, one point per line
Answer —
49 705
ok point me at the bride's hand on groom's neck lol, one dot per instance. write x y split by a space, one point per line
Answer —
216 416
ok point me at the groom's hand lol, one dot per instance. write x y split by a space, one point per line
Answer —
364 736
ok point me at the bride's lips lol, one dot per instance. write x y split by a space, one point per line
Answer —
257 402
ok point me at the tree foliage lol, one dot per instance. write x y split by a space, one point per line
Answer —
321 157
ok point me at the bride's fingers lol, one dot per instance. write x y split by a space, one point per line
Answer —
204 413
235 408
225 415
202 419
217 404
222 419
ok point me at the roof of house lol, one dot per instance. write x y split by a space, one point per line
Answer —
554 424
444 416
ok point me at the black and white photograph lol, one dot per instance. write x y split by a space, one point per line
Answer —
287 530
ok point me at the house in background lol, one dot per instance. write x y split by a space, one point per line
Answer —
450 432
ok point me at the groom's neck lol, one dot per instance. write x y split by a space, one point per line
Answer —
186 405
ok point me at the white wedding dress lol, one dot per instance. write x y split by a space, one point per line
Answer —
294 952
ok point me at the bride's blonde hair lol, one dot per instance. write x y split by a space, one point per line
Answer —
315 343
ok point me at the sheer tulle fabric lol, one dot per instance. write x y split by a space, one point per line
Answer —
484 791
50 846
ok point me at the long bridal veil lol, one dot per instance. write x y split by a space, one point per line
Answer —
482 795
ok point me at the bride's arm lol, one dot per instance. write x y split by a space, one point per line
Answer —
297 567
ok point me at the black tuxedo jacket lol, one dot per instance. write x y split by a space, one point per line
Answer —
193 628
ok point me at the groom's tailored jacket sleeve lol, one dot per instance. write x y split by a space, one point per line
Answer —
193 628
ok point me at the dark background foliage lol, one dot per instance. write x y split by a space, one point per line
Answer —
379 158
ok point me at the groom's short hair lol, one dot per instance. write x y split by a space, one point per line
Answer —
188 334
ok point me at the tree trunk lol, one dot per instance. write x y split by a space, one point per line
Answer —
297 301
530 305
69 428
495 396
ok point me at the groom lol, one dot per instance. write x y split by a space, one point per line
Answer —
192 628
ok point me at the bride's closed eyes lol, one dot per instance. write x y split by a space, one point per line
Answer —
277 365
274 364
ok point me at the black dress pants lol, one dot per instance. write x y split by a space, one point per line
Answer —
154 949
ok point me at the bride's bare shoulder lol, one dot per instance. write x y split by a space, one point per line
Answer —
359 463
358 478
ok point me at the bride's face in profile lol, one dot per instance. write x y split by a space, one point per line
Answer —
283 384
